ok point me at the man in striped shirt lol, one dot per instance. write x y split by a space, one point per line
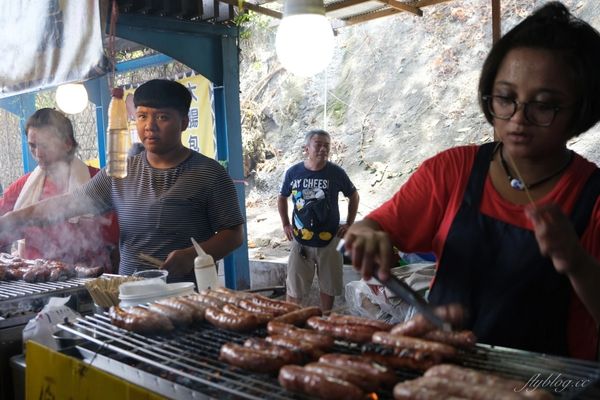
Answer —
169 195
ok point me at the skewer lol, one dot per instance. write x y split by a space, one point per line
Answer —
149 259
520 178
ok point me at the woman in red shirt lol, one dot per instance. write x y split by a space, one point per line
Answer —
86 241
515 224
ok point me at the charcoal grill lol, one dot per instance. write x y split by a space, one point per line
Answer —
185 364
20 301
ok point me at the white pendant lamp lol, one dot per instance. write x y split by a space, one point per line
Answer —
71 98
304 40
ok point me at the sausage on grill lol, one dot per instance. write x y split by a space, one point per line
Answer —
287 355
299 317
298 379
371 371
281 305
234 310
419 325
406 342
320 340
310 350
352 333
355 320
250 359
461 339
407 389
140 320
346 374
179 317
231 322
246 304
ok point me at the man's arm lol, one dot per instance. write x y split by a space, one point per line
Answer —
282 207
181 262
353 201
49 211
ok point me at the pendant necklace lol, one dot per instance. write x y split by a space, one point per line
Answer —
518 184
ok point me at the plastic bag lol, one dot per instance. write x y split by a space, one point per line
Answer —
371 299
41 328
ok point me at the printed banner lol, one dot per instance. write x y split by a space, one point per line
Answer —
200 135
48 42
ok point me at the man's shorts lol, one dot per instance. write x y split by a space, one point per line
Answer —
304 260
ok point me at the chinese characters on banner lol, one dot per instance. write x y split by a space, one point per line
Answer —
200 134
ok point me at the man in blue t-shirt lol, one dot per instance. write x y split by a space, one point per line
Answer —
314 185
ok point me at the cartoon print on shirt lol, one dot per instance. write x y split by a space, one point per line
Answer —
313 191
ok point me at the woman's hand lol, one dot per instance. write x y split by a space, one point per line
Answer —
556 237
370 249
180 262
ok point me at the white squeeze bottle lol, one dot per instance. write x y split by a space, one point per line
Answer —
118 136
205 269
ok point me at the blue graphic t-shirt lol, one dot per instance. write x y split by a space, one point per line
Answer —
316 215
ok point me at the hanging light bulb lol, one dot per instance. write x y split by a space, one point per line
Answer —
71 98
304 40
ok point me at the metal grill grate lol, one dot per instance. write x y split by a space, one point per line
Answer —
186 362
12 290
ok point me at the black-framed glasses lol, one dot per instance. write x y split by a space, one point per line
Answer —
536 112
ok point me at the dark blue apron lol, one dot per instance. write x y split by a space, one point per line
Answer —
514 296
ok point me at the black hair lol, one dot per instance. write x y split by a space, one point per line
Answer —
49 117
552 27
163 93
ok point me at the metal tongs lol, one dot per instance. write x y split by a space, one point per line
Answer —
408 294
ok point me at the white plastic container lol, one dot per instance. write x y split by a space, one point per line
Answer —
205 270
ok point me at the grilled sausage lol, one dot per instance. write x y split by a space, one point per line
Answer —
178 316
355 320
299 317
407 391
457 388
233 322
461 339
320 340
473 377
206 300
407 342
371 371
345 374
247 304
352 333
250 359
226 297
419 325
298 379
88 272
234 310
400 359
199 309
140 320
275 304
287 355
312 352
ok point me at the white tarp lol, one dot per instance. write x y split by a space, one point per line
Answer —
44 43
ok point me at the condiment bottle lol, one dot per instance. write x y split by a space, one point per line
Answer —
118 136
205 270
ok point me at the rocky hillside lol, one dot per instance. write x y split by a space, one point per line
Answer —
399 90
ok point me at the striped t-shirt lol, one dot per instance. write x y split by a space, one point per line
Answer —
160 209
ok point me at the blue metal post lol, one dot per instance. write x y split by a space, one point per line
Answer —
99 94
23 106
237 268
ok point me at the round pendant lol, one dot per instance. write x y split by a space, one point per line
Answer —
517 184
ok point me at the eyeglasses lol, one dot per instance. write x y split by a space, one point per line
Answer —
536 112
